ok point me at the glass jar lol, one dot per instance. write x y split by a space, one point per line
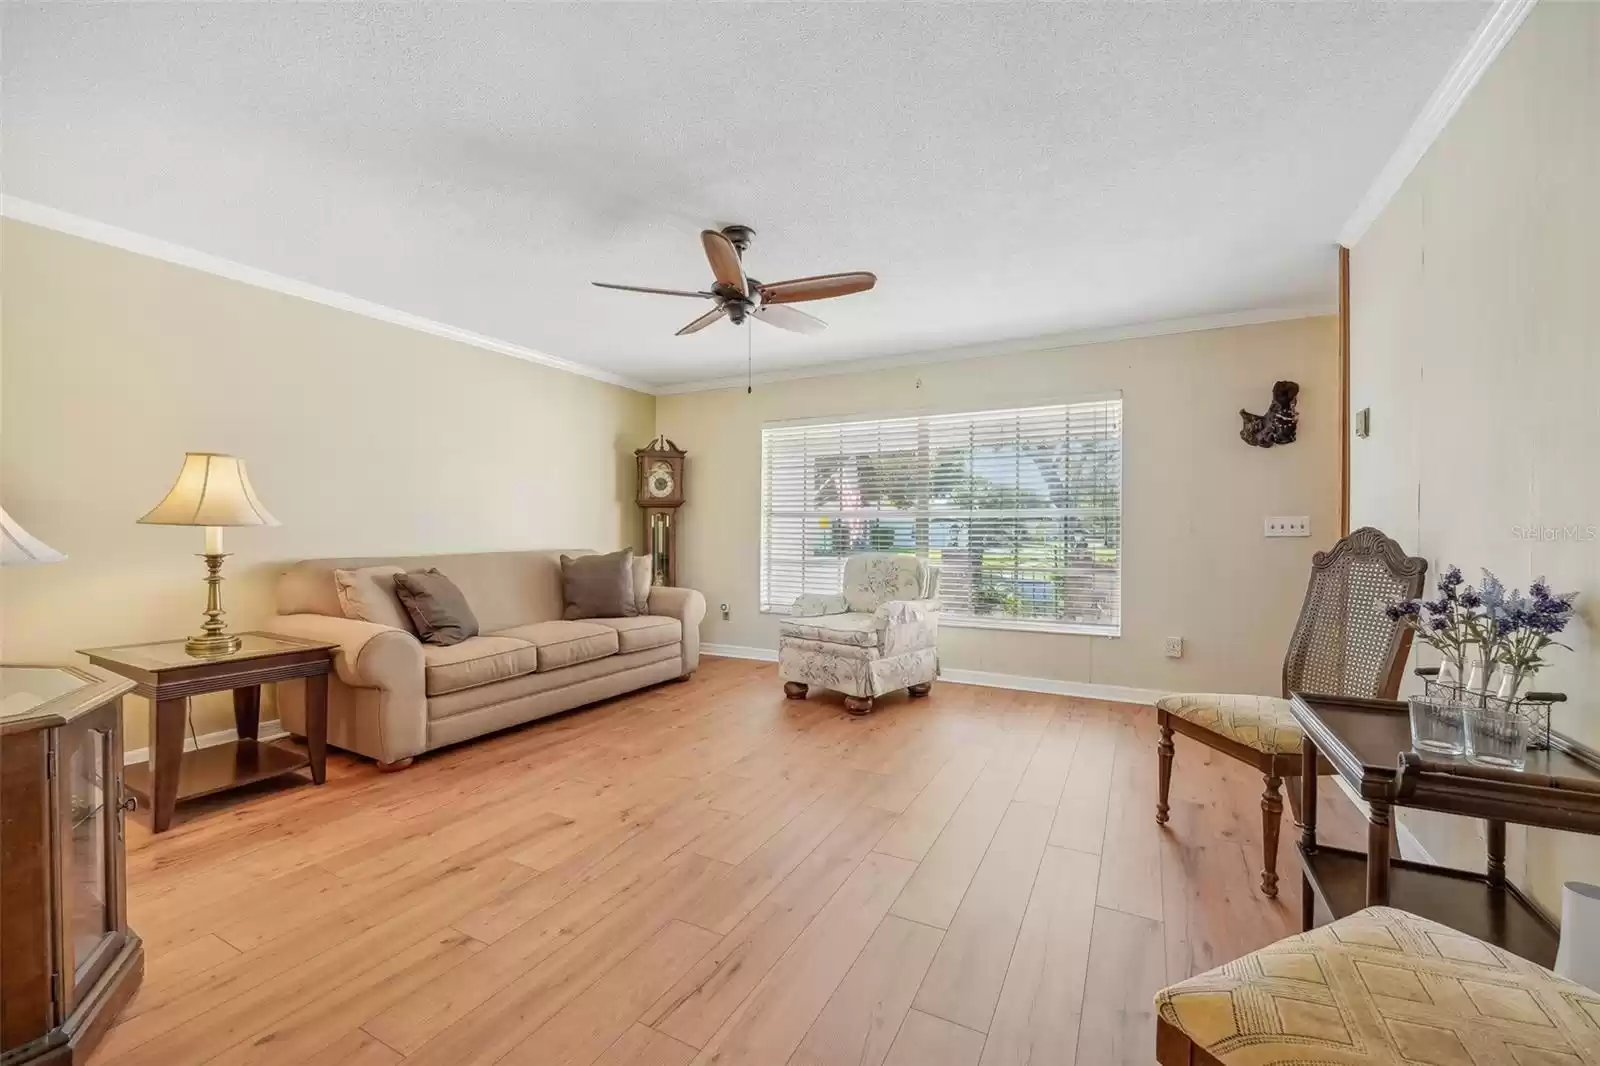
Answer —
1436 725
1497 737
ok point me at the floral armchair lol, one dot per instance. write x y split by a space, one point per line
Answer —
878 635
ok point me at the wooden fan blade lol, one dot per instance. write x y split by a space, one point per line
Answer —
658 292
790 318
724 260
703 321
821 287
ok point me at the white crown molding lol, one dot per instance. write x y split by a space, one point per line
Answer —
1496 29
983 678
140 244
1047 343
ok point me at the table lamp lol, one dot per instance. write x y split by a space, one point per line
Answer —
19 548
213 491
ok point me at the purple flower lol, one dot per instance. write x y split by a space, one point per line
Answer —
1439 625
1452 578
1403 609
1539 590
1470 598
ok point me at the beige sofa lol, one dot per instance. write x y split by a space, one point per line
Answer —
393 697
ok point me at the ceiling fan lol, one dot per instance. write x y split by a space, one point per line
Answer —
740 296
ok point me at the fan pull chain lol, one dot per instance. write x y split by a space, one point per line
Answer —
749 378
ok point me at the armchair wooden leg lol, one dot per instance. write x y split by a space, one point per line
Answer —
1271 819
1164 753
858 705
917 691
795 690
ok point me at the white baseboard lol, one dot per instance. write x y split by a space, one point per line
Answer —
1081 689
984 678
740 651
269 731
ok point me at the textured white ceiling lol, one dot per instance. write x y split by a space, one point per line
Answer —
1006 170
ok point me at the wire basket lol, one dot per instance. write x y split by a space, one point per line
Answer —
1535 706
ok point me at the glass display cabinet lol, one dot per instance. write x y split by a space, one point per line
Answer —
68 961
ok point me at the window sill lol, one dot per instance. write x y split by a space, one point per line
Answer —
1069 628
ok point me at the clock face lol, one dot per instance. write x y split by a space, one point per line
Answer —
659 481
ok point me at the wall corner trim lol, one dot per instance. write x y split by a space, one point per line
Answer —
1492 34
983 678
154 248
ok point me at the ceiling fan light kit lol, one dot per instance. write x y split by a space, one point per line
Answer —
740 297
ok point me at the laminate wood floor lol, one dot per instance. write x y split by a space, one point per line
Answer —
706 872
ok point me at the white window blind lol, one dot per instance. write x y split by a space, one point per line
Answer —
1021 508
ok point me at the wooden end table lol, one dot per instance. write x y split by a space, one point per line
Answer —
167 675
1368 742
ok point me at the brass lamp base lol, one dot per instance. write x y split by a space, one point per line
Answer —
213 640
212 644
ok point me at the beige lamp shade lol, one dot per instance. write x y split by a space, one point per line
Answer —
19 548
211 490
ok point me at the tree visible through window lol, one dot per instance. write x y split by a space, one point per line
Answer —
1022 509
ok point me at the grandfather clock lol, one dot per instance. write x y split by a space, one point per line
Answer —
661 494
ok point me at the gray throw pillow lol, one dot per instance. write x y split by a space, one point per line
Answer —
439 612
598 586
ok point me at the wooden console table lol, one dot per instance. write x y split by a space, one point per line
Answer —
167 675
1368 742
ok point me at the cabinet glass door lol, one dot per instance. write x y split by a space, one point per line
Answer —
88 791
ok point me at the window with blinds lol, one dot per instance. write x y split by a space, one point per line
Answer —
1022 510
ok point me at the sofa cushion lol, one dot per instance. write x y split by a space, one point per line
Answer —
641 583
565 643
858 628
367 594
516 688
645 631
439 612
598 586
476 661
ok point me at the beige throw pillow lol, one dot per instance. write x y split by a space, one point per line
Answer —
598 586
438 610
367 595
641 583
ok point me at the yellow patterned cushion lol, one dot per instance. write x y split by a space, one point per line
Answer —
1260 722
1385 987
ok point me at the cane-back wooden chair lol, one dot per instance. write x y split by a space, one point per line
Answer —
1343 645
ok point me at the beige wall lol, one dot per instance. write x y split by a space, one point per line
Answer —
1475 340
1196 564
362 438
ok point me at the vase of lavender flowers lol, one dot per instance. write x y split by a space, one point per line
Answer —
1524 628
1448 624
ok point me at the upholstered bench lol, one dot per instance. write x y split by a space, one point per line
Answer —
1382 987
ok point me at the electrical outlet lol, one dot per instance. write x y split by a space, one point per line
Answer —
1172 647
1288 526
724 609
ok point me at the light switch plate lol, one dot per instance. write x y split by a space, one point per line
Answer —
1172 647
1288 526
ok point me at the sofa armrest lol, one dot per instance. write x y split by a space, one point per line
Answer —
814 605
689 608
901 611
385 662
907 625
